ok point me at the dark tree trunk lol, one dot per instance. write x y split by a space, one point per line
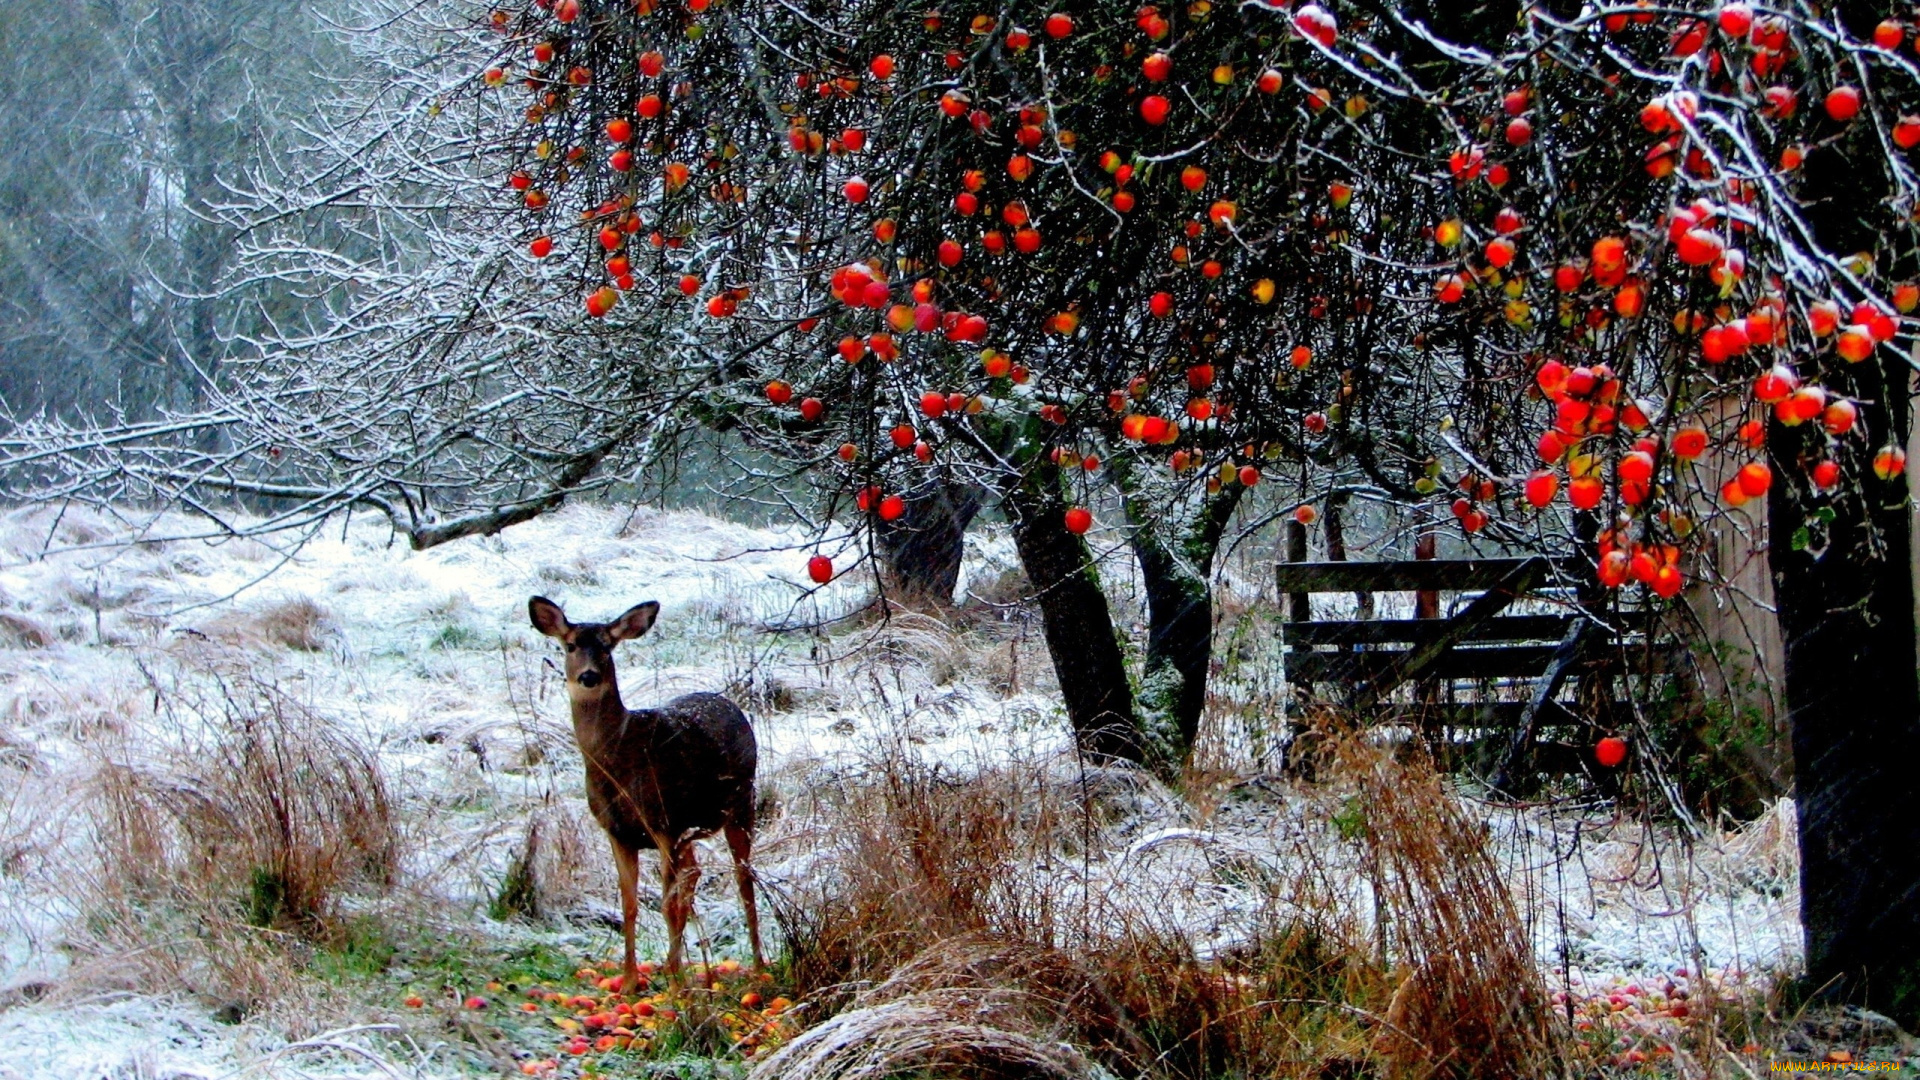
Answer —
1845 596
1087 656
1847 620
922 550
1333 526
1177 572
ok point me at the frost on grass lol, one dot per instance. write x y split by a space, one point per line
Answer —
422 663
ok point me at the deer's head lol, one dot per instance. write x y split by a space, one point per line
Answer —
589 646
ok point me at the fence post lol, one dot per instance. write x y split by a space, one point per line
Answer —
1426 605
1299 605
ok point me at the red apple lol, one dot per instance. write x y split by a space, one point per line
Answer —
1314 21
1612 750
1754 479
1736 20
1585 492
1843 103
1854 344
1541 487
1698 247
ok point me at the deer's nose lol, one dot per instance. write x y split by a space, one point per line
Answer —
589 678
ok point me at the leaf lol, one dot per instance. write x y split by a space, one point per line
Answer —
1802 537
1824 515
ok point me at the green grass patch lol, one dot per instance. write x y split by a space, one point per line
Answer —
457 636
364 951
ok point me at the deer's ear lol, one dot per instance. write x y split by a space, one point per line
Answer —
547 617
637 621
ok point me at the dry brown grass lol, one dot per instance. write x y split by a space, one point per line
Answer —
20 632
985 924
226 834
1004 588
990 1034
900 640
299 623
1470 1002
552 869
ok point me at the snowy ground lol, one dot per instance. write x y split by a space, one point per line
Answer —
426 658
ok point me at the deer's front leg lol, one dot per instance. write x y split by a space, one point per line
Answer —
626 861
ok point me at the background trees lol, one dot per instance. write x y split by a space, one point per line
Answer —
112 250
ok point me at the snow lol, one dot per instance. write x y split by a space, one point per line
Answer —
427 658
152 1037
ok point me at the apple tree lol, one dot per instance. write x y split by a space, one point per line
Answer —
1693 295
1048 251
1651 259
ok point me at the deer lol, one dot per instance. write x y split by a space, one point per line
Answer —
657 779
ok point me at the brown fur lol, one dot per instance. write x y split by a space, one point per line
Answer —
657 778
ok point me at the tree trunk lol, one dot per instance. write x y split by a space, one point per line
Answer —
1333 526
1173 680
1088 659
922 550
1845 595
1852 699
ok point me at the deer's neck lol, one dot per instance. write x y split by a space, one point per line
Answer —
601 720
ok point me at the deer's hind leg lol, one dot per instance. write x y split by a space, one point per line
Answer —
681 872
740 842
626 861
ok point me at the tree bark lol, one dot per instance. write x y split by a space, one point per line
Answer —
1845 596
922 551
1847 620
1088 659
1178 579
1333 527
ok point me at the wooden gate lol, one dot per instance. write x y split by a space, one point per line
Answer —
1481 666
